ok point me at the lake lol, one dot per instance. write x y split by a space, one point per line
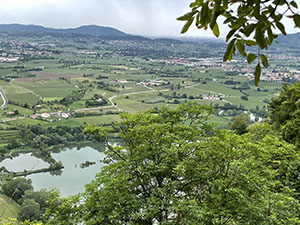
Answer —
72 179
23 162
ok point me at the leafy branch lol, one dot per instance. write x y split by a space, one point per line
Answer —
251 23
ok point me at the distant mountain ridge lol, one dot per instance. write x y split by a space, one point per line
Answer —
86 30
289 39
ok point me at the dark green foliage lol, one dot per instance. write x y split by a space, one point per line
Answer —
39 137
97 100
285 113
240 124
174 168
16 188
74 96
30 210
33 205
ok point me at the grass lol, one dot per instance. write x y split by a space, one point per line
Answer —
11 207
134 104
217 88
219 120
77 105
251 103
22 110
94 120
18 94
7 136
49 89
28 121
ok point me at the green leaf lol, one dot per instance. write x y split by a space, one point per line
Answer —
238 23
264 60
186 16
294 4
204 14
297 20
251 57
281 28
257 9
193 4
229 35
230 19
250 42
225 4
229 50
241 48
259 37
257 74
270 35
187 25
215 14
249 29
216 30
198 19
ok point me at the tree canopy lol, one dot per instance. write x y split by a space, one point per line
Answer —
251 23
172 167
285 113
16 188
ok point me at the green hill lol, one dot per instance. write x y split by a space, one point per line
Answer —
12 207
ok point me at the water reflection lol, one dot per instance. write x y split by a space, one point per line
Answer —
23 162
72 178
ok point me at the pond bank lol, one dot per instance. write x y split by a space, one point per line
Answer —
44 155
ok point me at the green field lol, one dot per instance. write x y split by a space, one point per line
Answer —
48 89
131 75
9 208
94 120
18 94
6 136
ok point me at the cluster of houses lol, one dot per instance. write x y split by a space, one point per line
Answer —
197 63
217 62
12 50
211 97
155 82
58 114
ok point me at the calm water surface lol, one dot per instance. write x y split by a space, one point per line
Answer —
23 162
73 178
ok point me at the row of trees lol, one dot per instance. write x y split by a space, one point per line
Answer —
41 138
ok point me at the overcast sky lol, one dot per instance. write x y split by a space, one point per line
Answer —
141 17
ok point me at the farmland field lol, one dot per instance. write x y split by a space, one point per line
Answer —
11 207
85 80
48 89
18 94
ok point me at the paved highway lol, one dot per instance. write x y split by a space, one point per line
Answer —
5 100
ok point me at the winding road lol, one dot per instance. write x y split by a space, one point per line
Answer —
110 99
5 100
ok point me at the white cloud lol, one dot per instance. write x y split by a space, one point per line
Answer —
143 17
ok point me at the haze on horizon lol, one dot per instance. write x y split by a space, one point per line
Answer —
139 17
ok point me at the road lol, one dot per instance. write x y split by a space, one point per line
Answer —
110 99
5 100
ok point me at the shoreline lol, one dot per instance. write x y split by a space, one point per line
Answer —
44 155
